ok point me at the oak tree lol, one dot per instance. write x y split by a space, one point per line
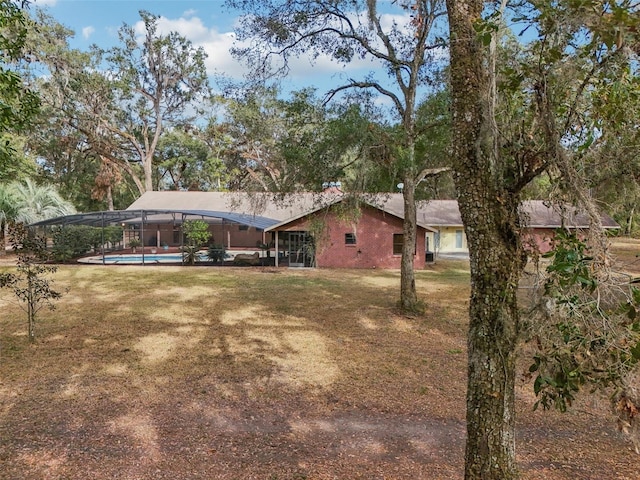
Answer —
407 47
573 50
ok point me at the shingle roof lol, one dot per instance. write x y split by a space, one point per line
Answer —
536 214
269 206
268 211
542 214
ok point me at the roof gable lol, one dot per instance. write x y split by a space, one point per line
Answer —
391 204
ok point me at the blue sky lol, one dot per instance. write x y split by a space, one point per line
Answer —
207 23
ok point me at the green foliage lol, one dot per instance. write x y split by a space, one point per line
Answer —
34 202
18 104
216 253
106 110
135 243
197 234
30 283
70 242
275 143
569 266
587 334
113 234
73 241
186 162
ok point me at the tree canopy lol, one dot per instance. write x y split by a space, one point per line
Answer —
113 106
408 52
572 55
18 102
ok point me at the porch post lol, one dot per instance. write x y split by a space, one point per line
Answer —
182 240
102 234
277 249
142 233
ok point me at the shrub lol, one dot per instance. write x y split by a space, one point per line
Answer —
216 253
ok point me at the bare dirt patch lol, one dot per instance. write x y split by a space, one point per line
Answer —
222 373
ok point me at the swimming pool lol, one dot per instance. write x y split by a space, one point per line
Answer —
136 259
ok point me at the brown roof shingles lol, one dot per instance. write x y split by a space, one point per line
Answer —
283 208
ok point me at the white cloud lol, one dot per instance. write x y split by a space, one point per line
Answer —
87 32
217 44
45 3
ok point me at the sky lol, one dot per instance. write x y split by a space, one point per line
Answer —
206 23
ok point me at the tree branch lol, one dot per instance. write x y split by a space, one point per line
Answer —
431 172
363 85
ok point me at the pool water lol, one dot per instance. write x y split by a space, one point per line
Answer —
136 259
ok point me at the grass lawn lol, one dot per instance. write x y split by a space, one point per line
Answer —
242 373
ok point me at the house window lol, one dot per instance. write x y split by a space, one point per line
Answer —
243 227
436 240
398 241
349 238
458 238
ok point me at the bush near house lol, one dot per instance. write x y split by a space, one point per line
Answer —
73 241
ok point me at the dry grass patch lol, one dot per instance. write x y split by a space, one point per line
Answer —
225 373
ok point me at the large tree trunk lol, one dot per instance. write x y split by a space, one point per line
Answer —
408 295
110 205
496 264
3 238
147 167
490 214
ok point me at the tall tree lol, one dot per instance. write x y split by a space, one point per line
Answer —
18 102
279 145
159 81
574 49
120 101
64 156
613 166
8 212
407 46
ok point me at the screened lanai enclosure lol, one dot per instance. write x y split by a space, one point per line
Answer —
152 236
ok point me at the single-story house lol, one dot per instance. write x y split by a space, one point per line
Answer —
541 219
314 229
301 229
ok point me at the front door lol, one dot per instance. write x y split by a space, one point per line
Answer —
300 249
